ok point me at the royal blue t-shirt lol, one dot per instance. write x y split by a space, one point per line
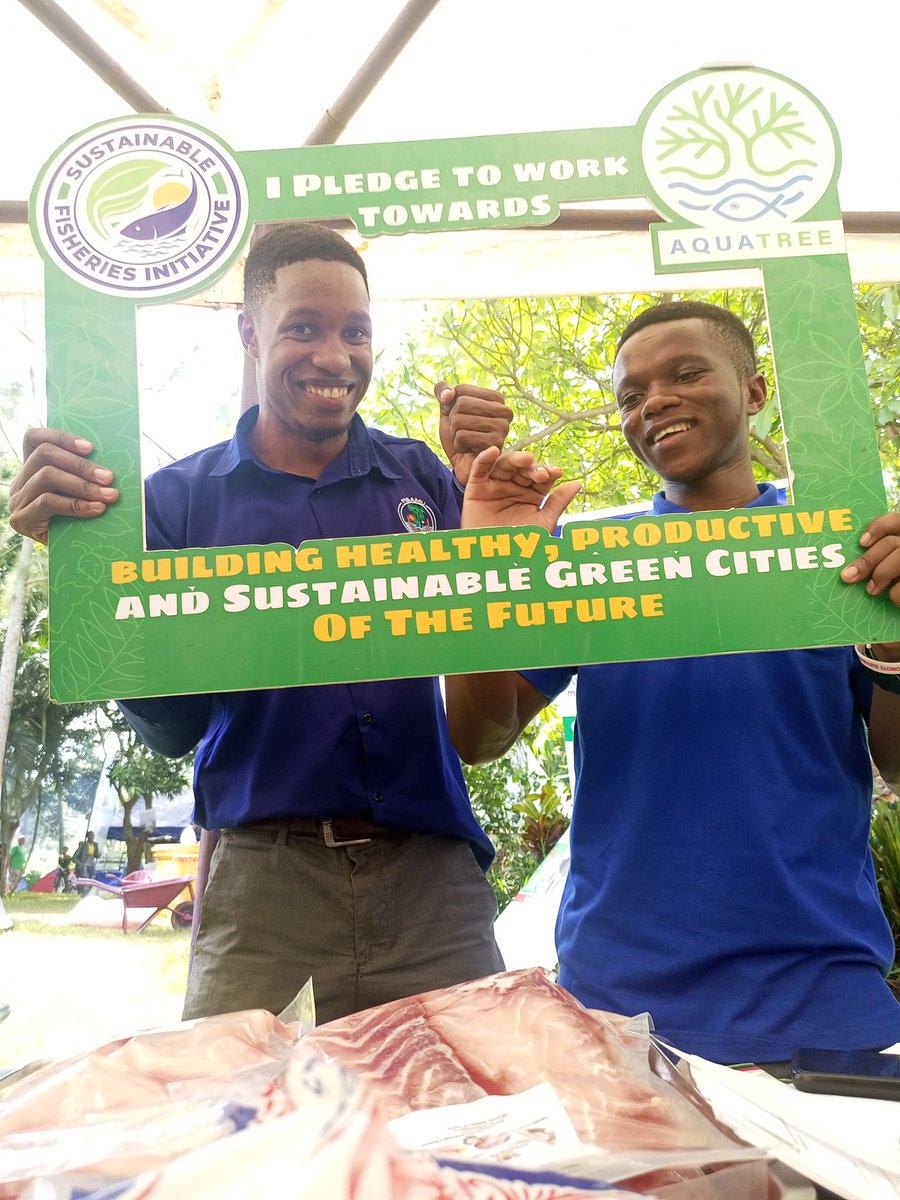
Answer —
720 876
320 751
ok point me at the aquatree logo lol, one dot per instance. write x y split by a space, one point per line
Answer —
738 148
141 207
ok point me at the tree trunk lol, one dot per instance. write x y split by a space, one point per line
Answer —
8 663
136 852
134 847
147 831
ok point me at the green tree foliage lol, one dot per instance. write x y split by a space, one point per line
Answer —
49 747
521 801
885 842
552 358
878 310
45 744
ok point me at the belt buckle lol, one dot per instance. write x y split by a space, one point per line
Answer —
333 842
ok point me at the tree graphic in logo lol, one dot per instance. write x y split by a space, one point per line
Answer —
738 147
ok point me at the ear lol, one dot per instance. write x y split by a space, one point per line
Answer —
757 393
247 330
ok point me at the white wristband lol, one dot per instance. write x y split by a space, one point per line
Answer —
875 664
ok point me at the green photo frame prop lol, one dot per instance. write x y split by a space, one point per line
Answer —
742 162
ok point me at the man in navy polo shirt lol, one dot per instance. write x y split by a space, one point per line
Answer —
720 872
349 850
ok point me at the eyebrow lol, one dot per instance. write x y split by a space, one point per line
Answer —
674 360
311 311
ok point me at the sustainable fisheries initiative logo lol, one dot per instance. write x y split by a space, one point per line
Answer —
416 515
738 148
141 207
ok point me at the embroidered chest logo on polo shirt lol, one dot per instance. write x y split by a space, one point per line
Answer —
416 516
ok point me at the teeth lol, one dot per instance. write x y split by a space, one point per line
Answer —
681 427
328 393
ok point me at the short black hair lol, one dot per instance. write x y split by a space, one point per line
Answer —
295 241
731 329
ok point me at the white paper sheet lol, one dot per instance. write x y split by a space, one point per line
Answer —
848 1144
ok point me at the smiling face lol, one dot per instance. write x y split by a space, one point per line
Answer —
685 406
312 339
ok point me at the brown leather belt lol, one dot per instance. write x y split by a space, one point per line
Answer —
352 830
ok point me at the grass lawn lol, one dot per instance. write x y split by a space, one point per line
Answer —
69 988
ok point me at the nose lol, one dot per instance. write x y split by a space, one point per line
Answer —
331 355
659 397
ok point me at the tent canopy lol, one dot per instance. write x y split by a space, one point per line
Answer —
169 817
262 74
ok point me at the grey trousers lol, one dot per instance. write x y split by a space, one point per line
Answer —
369 923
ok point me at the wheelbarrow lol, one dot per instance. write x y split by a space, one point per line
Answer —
157 894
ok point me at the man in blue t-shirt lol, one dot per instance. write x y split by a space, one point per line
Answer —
720 873
349 850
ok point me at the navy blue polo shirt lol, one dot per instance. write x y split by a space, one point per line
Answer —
320 751
720 874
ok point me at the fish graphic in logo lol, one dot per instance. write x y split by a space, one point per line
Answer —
165 218
742 199
142 200
416 515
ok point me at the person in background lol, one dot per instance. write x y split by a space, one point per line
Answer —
63 882
18 857
720 876
87 854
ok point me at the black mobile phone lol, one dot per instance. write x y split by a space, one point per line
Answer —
847 1073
